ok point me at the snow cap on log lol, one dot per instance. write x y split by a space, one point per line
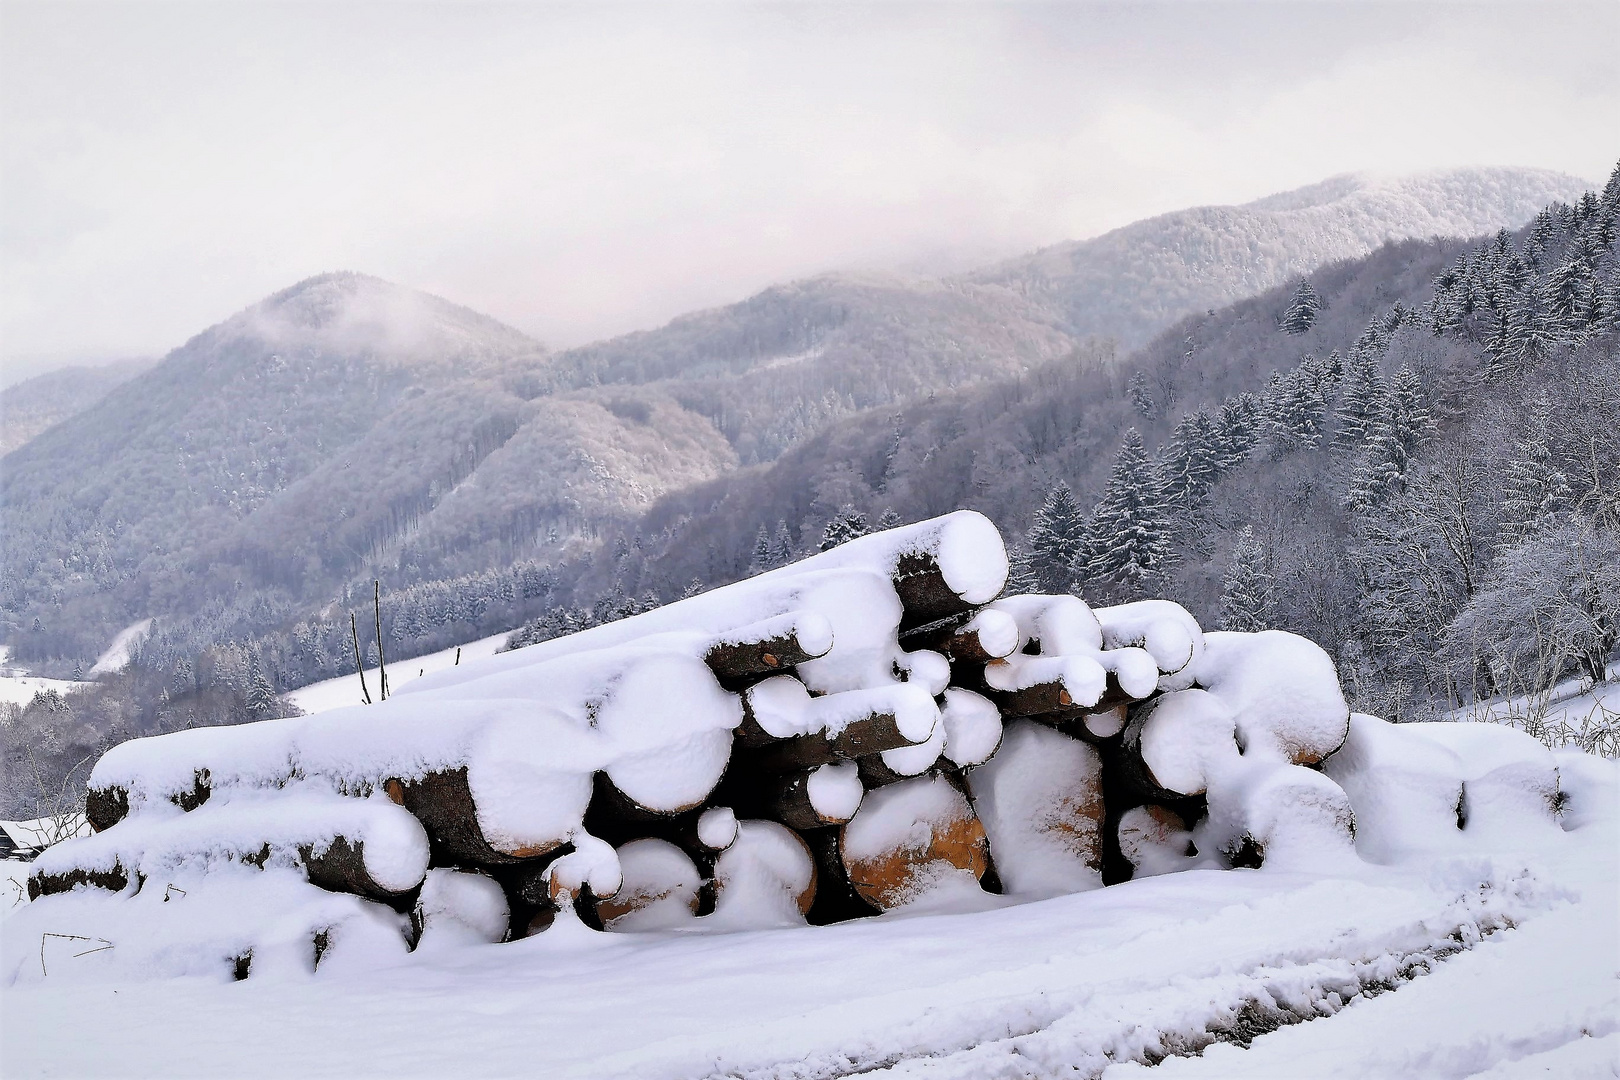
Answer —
912 838
1165 629
1173 743
1266 812
459 907
365 846
1407 791
717 828
1061 624
767 878
1510 788
1041 801
815 797
593 865
660 888
1282 690
972 726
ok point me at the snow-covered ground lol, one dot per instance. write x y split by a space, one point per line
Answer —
1570 710
117 654
1525 981
19 688
344 690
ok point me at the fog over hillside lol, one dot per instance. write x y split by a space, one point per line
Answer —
1130 282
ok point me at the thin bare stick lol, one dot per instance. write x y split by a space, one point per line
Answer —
354 632
376 609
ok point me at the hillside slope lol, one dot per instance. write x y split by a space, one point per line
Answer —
1130 283
33 405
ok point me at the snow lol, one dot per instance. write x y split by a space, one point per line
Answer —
762 880
972 726
1040 799
1407 790
18 688
1165 629
1282 690
660 889
457 907
166 844
906 841
344 690
119 652
1183 737
835 791
717 828
1024 990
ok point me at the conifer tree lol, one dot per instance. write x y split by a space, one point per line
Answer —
845 526
1130 529
1364 399
1237 429
1192 460
1534 489
1141 397
1294 412
888 519
1301 311
782 551
761 560
1248 593
1021 579
1056 540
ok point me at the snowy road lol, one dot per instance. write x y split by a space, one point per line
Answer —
1062 987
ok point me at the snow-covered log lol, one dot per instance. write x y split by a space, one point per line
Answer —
660 889
1155 840
1041 802
1171 744
365 846
814 798
766 878
1282 691
792 730
1510 781
458 906
769 646
1164 629
500 771
913 838
1407 790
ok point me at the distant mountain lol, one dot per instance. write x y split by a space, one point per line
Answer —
29 407
1130 283
347 428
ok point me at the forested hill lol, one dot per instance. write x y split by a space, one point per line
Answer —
1412 458
1130 283
37 404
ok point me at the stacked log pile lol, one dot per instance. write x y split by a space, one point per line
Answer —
867 729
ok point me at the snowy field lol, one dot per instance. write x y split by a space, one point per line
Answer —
1524 952
344 690
18 688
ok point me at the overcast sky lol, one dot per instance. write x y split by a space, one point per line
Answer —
581 171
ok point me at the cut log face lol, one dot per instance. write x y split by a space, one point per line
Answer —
911 838
443 803
660 888
766 878
1041 801
105 807
1155 840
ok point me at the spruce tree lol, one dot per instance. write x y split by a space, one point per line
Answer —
888 519
1534 489
782 551
1141 397
1021 579
845 526
761 560
1295 412
1364 398
1237 430
1192 460
1248 593
1301 311
1056 540
1130 529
